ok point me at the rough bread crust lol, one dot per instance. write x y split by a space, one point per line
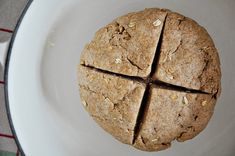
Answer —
173 115
122 68
188 56
127 45
113 102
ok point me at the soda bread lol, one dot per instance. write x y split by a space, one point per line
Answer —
149 78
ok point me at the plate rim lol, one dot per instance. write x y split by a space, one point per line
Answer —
5 77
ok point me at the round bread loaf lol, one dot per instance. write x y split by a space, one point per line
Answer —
149 78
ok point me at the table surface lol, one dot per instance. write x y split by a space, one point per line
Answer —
10 11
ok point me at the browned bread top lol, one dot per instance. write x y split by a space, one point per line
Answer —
127 45
188 56
150 77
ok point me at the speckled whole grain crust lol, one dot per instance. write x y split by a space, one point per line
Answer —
119 76
113 102
127 45
188 56
173 115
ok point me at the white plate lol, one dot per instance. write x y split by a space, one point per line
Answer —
44 103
